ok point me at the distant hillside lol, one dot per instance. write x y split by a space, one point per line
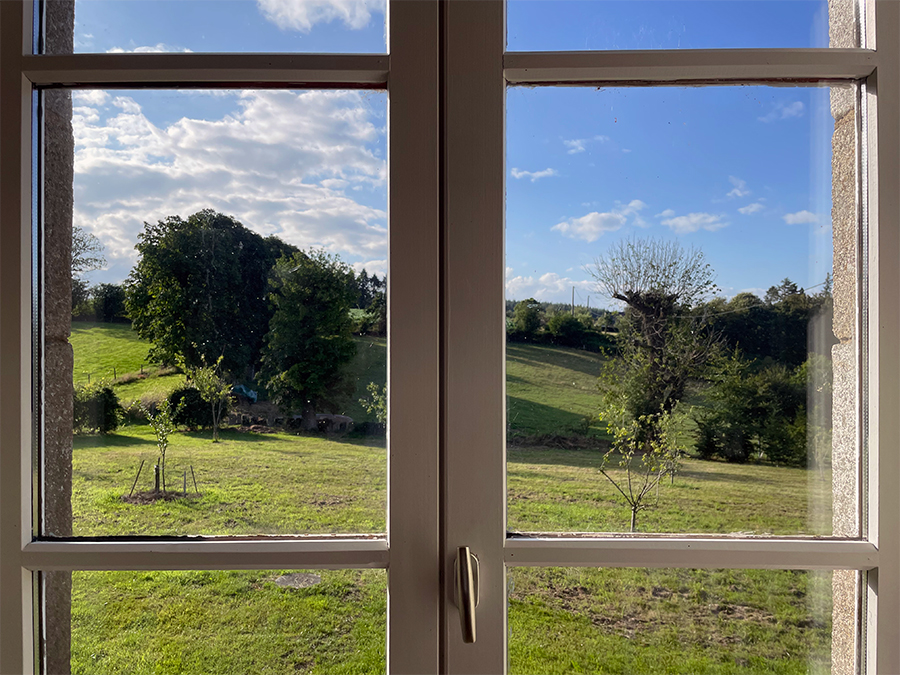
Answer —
550 390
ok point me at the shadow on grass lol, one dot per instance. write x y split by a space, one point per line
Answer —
528 417
592 459
108 441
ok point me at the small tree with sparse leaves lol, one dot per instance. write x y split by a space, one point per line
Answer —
644 461
163 423
376 402
214 389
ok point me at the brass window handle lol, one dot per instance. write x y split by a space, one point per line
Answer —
466 587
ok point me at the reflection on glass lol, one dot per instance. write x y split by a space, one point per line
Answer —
677 319
148 26
669 621
564 25
228 622
228 312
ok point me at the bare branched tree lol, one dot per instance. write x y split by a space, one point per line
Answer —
663 342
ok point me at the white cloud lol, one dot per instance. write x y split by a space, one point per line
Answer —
740 187
302 15
158 48
278 161
751 208
93 97
576 145
694 221
371 267
801 218
668 213
783 111
533 175
591 227
548 287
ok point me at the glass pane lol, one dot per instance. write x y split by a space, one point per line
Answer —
322 621
681 302
563 25
147 26
672 621
227 316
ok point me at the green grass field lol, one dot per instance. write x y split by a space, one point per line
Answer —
560 620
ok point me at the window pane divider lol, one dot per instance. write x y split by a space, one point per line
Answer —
688 552
360 71
687 66
206 554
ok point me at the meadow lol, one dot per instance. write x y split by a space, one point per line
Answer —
560 620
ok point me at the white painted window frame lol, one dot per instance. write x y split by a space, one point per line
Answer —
410 551
446 363
476 72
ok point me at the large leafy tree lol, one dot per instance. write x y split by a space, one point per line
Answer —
198 290
309 341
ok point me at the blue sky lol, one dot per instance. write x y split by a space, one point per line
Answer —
741 172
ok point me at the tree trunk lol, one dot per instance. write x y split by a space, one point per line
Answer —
634 518
308 421
215 422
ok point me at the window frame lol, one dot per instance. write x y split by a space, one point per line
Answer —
475 79
447 73
410 548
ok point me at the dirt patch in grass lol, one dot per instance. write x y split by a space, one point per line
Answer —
579 600
150 497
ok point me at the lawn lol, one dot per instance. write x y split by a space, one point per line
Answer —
634 621
560 620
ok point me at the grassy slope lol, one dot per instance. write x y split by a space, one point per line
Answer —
550 390
101 347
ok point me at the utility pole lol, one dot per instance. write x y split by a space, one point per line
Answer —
573 301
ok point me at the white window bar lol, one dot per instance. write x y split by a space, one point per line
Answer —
206 554
690 552
682 67
300 70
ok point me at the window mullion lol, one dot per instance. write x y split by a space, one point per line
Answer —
414 598
688 67
296 70
691 552
16 584
883 153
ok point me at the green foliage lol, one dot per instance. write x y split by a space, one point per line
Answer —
643 458
108 302
162 421
309 343
199 290
214 389
527 318
191 410
96 409
782 329
566 330
376 402
81 294
755 411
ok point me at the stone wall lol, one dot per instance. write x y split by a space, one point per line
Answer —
59 153
844 33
